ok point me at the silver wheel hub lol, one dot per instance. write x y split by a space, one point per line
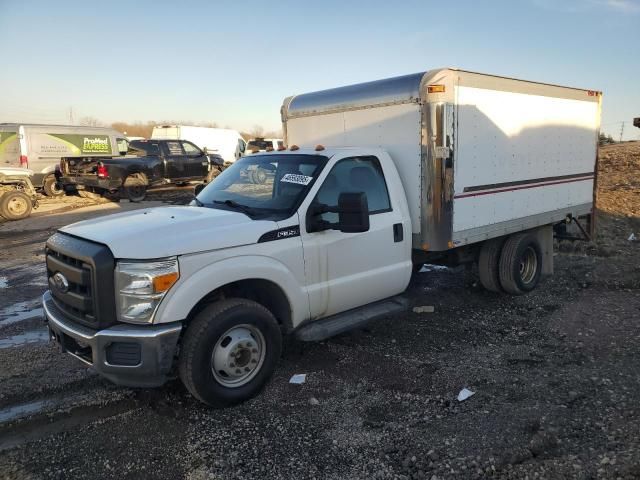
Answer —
17 206
238 356
528 265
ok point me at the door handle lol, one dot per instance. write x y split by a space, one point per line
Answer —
398 233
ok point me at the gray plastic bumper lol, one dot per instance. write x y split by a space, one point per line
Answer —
131 355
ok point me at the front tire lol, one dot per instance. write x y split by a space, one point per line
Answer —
15 205
229 352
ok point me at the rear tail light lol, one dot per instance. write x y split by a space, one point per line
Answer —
102 171
24 161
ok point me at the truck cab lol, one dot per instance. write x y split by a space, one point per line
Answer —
293 245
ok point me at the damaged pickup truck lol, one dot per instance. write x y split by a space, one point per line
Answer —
450 167
147 163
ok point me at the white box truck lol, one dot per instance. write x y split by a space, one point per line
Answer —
225 142
41 147
443 166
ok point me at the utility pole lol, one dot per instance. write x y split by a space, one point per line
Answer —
621 130
71 115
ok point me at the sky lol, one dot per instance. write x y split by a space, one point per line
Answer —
233 62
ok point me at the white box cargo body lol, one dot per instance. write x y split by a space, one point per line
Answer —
480 156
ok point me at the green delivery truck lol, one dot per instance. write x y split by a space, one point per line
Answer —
41 147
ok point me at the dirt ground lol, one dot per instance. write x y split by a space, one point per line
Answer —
556 376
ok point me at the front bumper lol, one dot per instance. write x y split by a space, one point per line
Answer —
131 355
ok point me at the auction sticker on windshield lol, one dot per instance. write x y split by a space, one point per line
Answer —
294 178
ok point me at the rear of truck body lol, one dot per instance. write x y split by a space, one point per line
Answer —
480 156
41 147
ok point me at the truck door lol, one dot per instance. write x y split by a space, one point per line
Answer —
197 163
347 270
175 160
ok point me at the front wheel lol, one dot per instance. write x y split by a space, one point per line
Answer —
15 205
229 352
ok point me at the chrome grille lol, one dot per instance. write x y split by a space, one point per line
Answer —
77 301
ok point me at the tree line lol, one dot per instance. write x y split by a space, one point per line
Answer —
144 129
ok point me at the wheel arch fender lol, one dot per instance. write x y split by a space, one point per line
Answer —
194 289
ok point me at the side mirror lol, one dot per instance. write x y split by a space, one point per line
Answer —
353 212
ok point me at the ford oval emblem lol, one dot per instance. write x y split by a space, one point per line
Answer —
61 282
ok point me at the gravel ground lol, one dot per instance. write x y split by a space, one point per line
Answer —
556 376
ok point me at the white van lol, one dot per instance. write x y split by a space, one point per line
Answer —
41 147
227 143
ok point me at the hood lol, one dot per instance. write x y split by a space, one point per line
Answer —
168 231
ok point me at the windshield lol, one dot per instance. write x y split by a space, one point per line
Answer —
263 185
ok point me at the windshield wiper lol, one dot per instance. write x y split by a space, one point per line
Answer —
198 202
238 206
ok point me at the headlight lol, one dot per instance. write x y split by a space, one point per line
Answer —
140 286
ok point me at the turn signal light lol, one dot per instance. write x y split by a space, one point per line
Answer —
293 148
319 148
162 283
24 161
435 89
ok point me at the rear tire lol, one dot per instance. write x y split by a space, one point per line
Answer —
489 264
520 263
135 187
15 205
51 188
233 330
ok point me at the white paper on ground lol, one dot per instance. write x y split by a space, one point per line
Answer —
632 237
298 378
464 394
424 309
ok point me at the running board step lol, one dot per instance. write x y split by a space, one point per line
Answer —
351 319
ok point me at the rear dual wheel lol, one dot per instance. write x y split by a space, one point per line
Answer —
512 265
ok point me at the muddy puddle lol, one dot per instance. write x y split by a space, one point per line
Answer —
46 422
19 411
41 335
21 311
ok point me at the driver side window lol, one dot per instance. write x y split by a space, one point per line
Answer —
190 149
357 174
